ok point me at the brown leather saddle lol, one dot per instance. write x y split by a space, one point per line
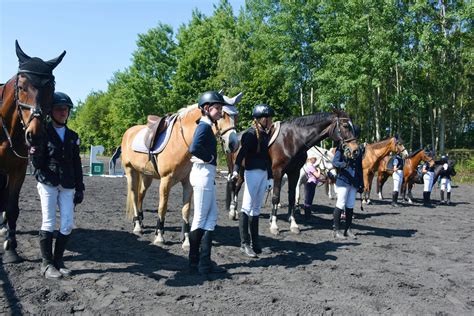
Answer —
156 125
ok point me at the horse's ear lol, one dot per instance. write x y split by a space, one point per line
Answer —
54 62
22 57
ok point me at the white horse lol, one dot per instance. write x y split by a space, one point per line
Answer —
328 172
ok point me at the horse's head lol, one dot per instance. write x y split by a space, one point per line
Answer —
34 88
399 148
426 156
343 131
226 126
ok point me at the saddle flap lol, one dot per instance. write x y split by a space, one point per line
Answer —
155 126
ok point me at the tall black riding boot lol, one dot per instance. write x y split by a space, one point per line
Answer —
195 237
245 247
347 230
395 199
206 265
255 236
449 198
59 248
441 197
46 246
337 223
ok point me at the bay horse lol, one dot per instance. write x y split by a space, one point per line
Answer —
328 171
173 166
409 172
373 155
288 155
24 103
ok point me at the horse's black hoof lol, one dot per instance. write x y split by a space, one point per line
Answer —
11 256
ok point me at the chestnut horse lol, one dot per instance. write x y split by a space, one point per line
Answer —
373 154
409 172
174 165
288 155
24 102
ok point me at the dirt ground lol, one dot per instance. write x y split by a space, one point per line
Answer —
407 260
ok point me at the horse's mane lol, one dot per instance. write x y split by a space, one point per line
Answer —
184 111
380 144
414 153
309 119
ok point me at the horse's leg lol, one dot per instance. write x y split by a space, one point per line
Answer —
292 180
187 195
366 185
12 212
275 202
236 186
165 187
3 202
410 196
143 187
381 179
133 183
370 179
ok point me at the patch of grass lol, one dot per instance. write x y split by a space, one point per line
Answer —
465 171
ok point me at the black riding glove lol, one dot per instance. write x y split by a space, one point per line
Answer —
78 197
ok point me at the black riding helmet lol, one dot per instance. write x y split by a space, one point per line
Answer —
210 97
262 110
61 98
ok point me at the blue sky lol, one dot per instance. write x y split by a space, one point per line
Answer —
99 36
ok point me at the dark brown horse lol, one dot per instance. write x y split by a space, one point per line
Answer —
409 172
288 154
373 154
23 105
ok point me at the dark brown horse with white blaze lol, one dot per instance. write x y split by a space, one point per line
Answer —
409 172
288 155
373 155
24 103
174 165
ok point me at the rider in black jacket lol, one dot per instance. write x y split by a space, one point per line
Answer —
58 170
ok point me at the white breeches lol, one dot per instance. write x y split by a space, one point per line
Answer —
345 197
397 180
202 179
428 181
445 184
52 197
254 191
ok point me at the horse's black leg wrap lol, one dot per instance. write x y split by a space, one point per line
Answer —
160 226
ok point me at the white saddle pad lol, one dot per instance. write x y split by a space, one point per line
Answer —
138 143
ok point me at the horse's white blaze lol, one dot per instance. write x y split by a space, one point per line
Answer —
273 226
159 240
186 245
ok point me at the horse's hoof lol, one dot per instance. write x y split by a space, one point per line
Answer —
295 230
11 256
159 241
185 246
232 215
138 232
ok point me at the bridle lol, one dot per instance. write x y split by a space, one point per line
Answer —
35 113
